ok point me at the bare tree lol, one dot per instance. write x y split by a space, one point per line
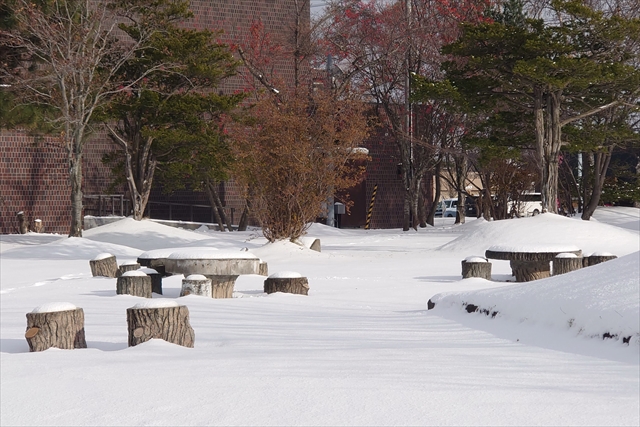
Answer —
72 51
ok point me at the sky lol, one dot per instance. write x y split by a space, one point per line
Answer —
360 349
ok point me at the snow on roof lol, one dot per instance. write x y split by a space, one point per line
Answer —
51 307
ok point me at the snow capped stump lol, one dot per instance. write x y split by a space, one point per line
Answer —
127 266
287 281
476 266
597 258
134 283
162 319
263 269
104 265
59 325
565 263
196 284
156 279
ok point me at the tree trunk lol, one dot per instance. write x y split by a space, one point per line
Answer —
138 285
75 180
291 285
105 267
244 218
216 205
601 164
60 329
436 196
166 323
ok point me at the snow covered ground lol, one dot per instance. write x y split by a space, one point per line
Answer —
360 349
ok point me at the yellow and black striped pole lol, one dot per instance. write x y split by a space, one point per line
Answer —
373 199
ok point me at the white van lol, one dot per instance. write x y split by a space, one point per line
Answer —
530 204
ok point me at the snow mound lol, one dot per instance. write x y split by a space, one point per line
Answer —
544 230
70 248
145 235
148 271
52 307
597 301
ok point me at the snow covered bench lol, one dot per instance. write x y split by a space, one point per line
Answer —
530 262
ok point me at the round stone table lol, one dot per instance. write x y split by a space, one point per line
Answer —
222 267
530 262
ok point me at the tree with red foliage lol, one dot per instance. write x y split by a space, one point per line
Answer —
378 46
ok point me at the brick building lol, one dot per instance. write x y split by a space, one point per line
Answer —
34 176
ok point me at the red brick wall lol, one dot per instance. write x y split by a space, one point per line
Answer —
33 176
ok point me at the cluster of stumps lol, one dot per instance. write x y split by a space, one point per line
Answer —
208 272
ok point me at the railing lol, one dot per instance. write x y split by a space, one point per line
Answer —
118 204
184 212
106 204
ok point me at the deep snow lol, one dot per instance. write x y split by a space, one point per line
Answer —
360 349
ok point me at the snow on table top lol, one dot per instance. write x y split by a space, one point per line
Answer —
103 255
191 253
161 253
52 307
157 303
285 275
534 248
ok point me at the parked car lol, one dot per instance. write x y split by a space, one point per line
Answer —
449 207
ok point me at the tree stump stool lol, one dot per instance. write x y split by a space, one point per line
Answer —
196 284
288 282
566 263
104 265
23 224
476 267
162 319
38 227
59 325
156 279
127 266
263 269
597 258
134 283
